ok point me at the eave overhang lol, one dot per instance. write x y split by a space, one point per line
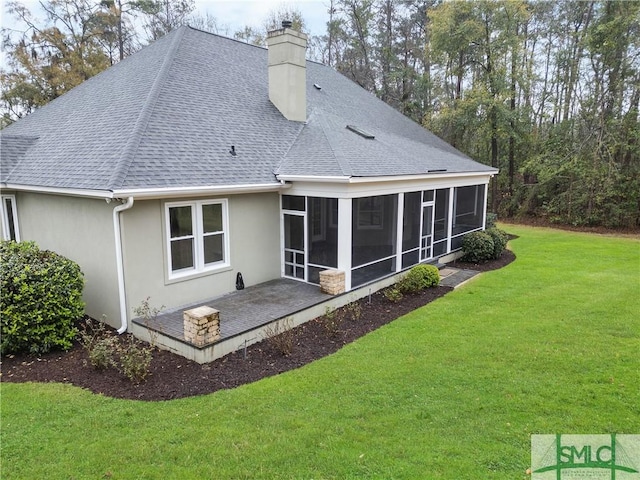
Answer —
150 193
383 179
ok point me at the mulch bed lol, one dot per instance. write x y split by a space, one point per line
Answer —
171 376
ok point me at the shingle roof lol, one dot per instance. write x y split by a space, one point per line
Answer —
168 115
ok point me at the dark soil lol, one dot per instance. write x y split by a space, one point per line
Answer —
171 376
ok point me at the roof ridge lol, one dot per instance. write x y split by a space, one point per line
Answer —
226 38
124 164
344 165
276 170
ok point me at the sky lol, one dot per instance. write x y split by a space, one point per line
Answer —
238 13
234 13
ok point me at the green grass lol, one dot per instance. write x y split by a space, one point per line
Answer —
549 344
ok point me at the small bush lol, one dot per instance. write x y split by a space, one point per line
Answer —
41 298
419 278
135 360
149 314
332 320
392 294
353 311
492 218
129 356
281 336
100 344
101 354
91 331
500 239
478 247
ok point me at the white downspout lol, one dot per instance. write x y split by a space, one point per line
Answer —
119 262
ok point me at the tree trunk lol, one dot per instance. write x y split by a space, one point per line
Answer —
120 33
577 48
512 122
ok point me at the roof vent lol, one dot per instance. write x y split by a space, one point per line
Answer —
317 87
233 150
287 24
360 132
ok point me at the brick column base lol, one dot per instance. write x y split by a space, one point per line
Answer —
332 282
201 325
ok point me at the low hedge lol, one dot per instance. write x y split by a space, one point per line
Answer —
418 278
41 298
478 247
500 239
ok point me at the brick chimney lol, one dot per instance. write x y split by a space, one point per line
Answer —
288 72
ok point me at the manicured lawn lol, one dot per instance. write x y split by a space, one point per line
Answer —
549 344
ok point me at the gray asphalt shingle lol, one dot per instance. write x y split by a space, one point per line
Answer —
168 115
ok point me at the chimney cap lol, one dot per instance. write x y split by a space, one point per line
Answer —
287 24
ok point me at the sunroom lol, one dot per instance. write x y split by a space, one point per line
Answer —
370 233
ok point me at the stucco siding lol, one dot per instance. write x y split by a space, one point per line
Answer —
254 251
80 229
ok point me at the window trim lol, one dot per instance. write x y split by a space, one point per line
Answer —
363 213
199 235
473 211
6 231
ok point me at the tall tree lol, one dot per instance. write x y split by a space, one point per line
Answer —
273 21
277 15
472 41
209 23
163 16
47 60
120 30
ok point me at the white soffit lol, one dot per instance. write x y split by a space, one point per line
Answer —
353 187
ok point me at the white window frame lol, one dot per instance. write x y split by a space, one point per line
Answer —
198 238
364 214
473 211
6 235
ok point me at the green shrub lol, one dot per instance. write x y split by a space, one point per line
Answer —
353 311
332 320
99 343
500 239
418 278
41 298
135 359
281 336
105 349
101 354
477 247
492 218
392 294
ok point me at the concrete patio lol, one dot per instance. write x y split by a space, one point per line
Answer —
245 315
245 310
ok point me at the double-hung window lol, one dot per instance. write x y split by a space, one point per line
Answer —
9 218
197 236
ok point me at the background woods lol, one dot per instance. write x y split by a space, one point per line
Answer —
547 91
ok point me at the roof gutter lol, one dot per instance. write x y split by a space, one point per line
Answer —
150 193
73 192
120 262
